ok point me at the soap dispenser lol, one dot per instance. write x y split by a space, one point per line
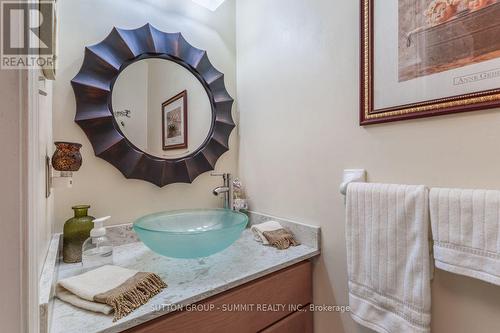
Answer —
97 250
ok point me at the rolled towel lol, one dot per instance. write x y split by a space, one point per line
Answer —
273 233
110 289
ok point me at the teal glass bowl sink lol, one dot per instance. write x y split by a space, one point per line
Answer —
189 234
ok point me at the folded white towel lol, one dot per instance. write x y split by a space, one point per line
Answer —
259 229
110 289
98 281
81 303
466 232
388 257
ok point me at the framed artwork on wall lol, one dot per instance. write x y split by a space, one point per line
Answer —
175 122
422 58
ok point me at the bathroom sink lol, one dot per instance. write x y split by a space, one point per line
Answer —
190 233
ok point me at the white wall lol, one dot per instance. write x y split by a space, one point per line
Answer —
42 146
25 213
22 197
298 99
131 93
98 183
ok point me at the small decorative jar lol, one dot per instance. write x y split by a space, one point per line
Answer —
67 157
240 203
76 231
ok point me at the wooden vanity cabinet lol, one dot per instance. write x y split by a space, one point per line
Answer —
276 303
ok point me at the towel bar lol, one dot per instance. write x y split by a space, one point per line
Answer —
352 176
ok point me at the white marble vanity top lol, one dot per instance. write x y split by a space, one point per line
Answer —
189 281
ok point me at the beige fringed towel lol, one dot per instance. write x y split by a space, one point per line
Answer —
110 289
466 232
388 257
273 233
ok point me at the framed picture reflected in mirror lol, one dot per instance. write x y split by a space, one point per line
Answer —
175 122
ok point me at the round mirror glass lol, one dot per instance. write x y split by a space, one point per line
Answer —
162 108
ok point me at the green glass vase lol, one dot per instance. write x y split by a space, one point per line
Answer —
76 231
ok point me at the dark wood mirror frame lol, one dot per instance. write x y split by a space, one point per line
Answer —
93 88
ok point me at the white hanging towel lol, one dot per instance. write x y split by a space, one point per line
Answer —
466 232
388 258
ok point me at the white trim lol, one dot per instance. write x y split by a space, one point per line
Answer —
31 185
33 210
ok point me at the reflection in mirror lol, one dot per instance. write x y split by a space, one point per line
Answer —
162 108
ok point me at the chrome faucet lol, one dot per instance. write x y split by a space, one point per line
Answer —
225 189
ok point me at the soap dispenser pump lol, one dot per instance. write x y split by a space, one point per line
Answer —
97 250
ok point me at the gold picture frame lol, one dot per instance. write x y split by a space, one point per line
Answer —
370 114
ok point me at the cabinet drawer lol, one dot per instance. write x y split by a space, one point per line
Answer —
291 286
297 322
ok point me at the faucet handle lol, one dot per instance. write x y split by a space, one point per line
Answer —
219 174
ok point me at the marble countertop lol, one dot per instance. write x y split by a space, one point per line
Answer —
189 281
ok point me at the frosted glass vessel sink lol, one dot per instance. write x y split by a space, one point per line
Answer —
190 233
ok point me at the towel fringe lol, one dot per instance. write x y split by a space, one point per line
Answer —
282 239
132 298
284 243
